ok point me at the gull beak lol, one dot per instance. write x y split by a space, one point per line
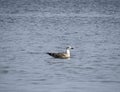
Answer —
72 48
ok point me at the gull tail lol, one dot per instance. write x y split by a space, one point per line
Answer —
51 54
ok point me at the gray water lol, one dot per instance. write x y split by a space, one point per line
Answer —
30 28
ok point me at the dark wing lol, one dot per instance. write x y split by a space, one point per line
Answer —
57 55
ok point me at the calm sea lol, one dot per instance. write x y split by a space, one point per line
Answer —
30 28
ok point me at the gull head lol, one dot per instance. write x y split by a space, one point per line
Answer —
69 47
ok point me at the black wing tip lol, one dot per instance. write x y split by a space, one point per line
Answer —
48 53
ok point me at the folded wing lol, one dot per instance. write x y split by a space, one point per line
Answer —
58 55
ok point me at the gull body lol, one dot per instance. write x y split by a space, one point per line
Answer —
63 55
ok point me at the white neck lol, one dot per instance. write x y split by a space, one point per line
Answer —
68 52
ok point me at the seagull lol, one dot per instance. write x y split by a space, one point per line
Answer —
63 55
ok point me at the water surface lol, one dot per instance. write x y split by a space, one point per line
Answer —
28 31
